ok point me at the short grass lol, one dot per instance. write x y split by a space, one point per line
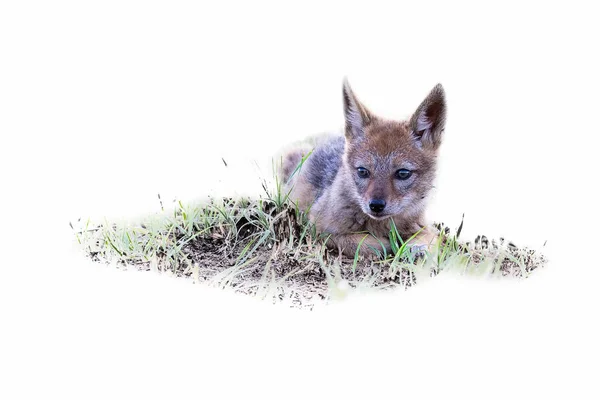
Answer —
268 248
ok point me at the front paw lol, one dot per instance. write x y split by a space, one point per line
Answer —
374 249
419 250
371 253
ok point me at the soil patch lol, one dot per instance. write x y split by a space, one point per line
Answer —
262 249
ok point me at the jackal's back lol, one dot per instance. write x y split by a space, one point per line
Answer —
323 164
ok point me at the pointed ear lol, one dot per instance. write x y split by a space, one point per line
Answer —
428 122
357 116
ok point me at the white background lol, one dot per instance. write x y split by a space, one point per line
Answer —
103 106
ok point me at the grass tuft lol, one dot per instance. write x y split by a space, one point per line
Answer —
268 248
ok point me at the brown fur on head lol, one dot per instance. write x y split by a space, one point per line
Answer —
392 162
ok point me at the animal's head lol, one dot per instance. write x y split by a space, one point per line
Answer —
393 162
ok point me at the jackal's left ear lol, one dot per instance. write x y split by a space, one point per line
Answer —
428 122
356 115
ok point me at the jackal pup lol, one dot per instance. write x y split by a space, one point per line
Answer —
354 185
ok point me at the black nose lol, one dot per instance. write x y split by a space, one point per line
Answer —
377 205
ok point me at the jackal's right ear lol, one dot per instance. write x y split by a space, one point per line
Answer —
428 122
357 116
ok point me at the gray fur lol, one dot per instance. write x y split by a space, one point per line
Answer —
323 164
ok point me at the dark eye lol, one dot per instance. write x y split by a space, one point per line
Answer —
362 172
403 174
